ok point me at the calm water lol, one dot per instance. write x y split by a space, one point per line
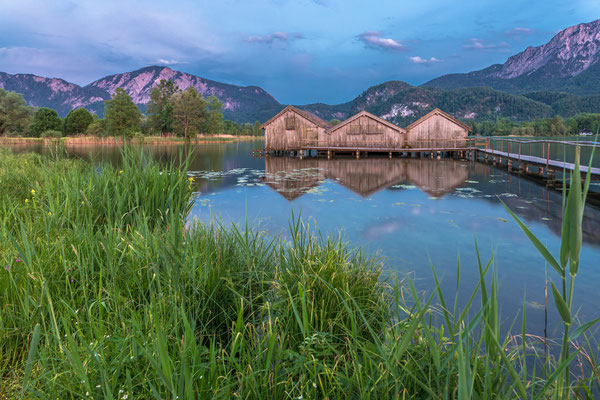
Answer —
413 212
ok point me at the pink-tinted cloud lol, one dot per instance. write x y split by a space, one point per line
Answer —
518 32
374 40
274 37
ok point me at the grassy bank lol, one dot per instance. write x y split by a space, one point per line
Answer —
108 293
93 140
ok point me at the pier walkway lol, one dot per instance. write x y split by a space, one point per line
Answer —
541 157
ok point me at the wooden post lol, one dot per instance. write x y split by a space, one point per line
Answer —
390 155
519 152
502 146
548 156
543 150
328 154
357 154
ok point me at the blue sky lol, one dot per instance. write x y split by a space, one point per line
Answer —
300 51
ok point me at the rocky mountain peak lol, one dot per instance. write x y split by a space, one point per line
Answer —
567 54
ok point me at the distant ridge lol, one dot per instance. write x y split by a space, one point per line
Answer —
569 62
561 77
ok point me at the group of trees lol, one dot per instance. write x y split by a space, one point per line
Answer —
17 118
555 126
170 111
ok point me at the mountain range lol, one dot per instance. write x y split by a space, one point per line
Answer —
561 77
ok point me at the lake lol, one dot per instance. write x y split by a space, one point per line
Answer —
414 213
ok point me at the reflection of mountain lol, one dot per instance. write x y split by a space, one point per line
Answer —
292 177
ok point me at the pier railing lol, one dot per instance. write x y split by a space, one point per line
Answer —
394 145
557 150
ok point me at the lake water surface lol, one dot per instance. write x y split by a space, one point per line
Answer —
413 212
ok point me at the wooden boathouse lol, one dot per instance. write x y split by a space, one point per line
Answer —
292 128
437 129
363 130
298 132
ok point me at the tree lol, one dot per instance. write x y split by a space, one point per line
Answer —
160 107
96 128
214 121
121 115
189 111
77 121
256 131
334 122
15 114
45 119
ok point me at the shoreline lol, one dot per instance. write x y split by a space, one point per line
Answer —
112 140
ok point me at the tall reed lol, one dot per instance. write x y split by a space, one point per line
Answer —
109 292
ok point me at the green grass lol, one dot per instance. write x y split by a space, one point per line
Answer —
109 293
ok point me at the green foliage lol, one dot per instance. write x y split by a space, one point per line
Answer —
214 118
334 122
555 126
15 115
189 111
77 121
44 119
160 107
121 116
52 134
108 292
96 129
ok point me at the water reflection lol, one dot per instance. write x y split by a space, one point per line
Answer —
292 178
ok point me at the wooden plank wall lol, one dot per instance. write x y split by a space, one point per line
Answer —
277 137
377 135
436 132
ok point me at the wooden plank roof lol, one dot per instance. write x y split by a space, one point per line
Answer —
437 111
305 114
366 114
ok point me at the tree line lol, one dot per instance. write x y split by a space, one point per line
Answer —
170 112
554 126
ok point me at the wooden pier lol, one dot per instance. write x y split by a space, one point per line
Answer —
518 155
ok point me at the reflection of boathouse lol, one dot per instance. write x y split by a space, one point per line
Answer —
436 177
365 176
292 177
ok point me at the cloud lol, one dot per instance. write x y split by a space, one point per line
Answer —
419 60
162 61
271 38
518 32
373 40
480 44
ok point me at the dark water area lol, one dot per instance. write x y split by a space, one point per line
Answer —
414 213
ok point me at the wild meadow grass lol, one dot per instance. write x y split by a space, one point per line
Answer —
107 291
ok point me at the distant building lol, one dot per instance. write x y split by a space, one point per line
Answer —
293 128
437 129
363 130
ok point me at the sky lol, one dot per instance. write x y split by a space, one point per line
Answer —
300 51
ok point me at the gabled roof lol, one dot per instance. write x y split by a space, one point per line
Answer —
366 114
305 114
437 111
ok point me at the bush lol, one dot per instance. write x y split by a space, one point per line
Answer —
96 129
52 134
